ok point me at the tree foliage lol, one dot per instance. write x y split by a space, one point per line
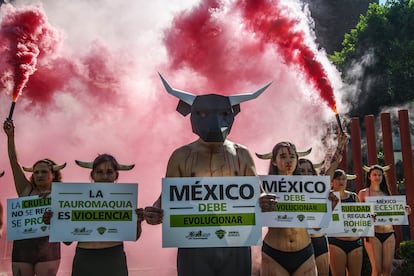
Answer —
382 44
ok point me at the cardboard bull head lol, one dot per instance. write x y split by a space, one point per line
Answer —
212 115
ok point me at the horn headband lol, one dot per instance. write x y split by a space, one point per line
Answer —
2 173
89 165
55 168
368 168
269 155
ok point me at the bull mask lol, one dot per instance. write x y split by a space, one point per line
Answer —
212 115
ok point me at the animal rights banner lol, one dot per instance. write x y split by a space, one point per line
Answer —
302 201
211 212
357 218
94 212
389 209
25 217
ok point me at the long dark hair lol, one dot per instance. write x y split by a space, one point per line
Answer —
383 185
272 168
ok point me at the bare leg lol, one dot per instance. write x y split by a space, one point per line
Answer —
388 250
374 250
22 269
337 261
272 268
308 268
354 263
322 263
49 268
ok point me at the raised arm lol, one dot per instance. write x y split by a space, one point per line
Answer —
337 157
21 183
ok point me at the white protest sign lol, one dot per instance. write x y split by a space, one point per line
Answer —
336 224
302 201
389 209
94 212
25 217
357 218
211 212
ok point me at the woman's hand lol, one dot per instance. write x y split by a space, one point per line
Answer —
334 199
153 215
8 127
140 215
408 209
267 202
47 215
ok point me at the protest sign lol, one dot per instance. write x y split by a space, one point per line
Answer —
211 211
357 219
94 212
302 201
389 209
25 217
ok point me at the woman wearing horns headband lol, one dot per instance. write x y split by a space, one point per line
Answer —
306 167
101 258
345 252
35 256
286 251
380 248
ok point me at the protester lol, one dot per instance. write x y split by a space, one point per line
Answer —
381 248
345 252
211 155
35 256
104 258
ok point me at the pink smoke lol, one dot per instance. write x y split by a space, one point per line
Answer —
98 91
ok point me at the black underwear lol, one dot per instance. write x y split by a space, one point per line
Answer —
346 246
382 237
320 245
290 261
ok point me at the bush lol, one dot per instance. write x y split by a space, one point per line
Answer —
406 251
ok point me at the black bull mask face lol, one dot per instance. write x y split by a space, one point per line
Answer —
212 115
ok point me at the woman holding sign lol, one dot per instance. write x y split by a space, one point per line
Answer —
104 257
345 252
287 251
380 248
35 256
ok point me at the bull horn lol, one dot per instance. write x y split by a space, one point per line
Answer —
2 173
186 97
86 165
319 165
264 156
351 176
89 165
55 168
384 168
122 167
304 153
239 98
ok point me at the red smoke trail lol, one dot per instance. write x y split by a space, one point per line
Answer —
271 24
25 35
198 40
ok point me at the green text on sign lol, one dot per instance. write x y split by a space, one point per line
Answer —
244 219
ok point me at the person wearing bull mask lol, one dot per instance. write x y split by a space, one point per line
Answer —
35 256
104 258
212 117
